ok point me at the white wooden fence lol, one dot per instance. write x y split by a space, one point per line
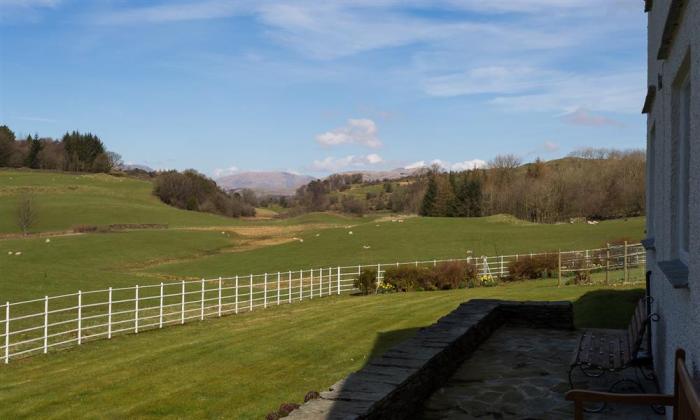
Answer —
54 322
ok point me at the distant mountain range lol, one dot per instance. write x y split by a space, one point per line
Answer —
281 183
285 183
370 176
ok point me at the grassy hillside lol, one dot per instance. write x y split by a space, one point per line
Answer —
64 200
203 245
214 368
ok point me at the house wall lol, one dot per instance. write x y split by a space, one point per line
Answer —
679 309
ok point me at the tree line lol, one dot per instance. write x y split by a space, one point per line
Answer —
590 183
77 152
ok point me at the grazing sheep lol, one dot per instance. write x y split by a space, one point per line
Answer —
366 247
18 253
47 240
350 233
9 252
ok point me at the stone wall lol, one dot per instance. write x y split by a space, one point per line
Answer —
394 385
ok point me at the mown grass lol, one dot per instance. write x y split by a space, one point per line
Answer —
245 366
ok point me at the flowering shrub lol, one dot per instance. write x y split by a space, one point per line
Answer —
384 287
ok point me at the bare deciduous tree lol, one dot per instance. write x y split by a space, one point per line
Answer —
26 213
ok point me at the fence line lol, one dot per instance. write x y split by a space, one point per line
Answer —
38 325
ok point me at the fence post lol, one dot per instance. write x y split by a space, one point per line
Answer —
502 268
278 288
330 281
250 293
607 264
46 324
136 309
301 285
160 307
182 303
379 275
434 262
7 332
80 317
265 292
338 280
289 287
236 297
312 283
109 315
201 308
559 271
219 314
626 266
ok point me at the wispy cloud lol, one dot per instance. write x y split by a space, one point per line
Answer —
584 117
332 164
362 131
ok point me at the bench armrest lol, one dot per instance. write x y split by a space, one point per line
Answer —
636 399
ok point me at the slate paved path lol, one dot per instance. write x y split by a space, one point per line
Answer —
520 373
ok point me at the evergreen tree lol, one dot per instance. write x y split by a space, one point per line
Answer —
34 147
428 206
7 144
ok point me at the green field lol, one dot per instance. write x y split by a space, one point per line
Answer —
246 365
202 245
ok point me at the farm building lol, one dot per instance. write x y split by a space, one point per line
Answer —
672 107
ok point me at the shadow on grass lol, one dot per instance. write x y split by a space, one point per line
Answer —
606 308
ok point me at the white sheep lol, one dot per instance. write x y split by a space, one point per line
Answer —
18 253
366 247
350 233
47 240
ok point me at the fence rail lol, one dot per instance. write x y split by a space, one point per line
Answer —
53 322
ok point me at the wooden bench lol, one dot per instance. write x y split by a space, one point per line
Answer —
601 351
685 399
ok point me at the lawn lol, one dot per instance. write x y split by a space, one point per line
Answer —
246 365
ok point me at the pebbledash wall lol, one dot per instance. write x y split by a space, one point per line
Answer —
674 59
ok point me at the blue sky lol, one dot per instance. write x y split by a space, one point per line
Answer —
317 87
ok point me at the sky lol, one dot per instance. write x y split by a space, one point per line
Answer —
317 87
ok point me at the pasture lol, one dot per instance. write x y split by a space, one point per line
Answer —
214 368
203 245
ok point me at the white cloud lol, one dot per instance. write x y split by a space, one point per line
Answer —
468 165
219 173
416 165
374 159
458 166
361 131
333 164
584 117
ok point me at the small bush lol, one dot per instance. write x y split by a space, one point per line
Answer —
287 408
410 278
367 281
444 276
454 274
535 267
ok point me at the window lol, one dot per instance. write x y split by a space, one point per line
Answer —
681 169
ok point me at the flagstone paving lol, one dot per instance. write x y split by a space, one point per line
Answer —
521 373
